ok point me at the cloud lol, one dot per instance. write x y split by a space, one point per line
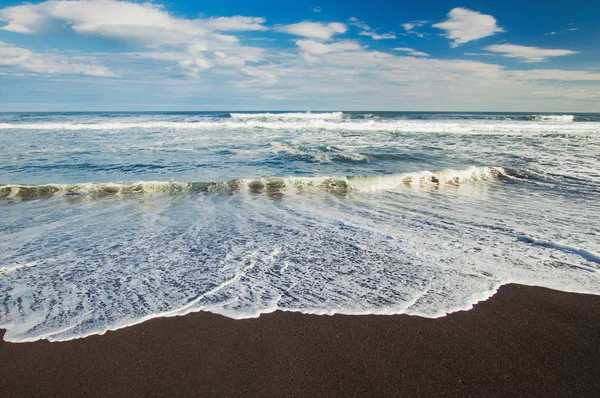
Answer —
316 9
463 26
48 63
368 31
145 24
315 48
359 78
199 41
236 23
410 26
478 54
338 74
312 49
527 54
412 51
377 36
260 77
567 29
554 74
315 30
346 76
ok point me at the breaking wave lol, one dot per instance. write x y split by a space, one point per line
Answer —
288 116
538 126
272 187
554 118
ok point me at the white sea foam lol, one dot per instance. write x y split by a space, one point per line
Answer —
289 116
587 254
555 118
289 184
242 256
386 182
400 126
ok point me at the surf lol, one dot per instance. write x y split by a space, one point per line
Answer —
272 185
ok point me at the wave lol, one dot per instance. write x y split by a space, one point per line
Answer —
397 116
288 116
586 254
554 118
272 187
352 125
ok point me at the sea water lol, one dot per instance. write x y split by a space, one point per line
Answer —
109 219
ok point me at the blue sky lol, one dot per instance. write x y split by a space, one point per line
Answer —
315 55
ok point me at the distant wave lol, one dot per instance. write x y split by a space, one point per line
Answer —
268 186
391 115
554 118
288 116
318 123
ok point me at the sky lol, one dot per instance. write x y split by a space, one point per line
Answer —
108 55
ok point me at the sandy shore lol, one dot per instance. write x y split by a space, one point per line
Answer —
523 342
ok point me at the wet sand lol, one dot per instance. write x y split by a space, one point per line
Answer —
524 341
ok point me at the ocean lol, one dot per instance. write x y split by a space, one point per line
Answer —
110 219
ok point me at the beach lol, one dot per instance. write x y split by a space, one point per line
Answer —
524 341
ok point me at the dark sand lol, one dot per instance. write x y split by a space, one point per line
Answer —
523 342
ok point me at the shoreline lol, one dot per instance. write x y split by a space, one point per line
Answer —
522 341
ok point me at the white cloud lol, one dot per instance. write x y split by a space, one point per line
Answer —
478 54
365 79
377 36
410 26
312 49
260 76
554 74
237 23
350 77
315 48
315 30
143 23
48 63
412 51
463 26
316 9
146 24
368 31
528 54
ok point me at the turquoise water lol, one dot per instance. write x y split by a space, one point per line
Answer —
113 218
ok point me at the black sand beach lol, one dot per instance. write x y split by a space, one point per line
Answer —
524 341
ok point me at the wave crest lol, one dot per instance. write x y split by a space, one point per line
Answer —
554 118
289 116
533 126
272 187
